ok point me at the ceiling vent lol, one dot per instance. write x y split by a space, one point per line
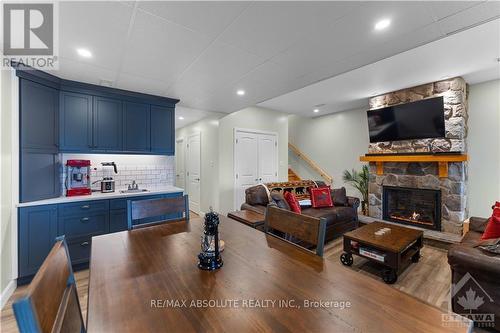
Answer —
106 83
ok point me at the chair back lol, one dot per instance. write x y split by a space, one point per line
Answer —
306 228
143 213
50 303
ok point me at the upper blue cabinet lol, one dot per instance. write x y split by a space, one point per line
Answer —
162 130
107 126
39 116
76 122
137 127
68 116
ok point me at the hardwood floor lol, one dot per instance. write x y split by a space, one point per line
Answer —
428 280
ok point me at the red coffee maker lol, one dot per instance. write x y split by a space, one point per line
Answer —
78 178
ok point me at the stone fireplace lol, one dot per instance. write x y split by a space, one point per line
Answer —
442 204
412 206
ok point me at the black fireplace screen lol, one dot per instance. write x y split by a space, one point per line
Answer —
420 207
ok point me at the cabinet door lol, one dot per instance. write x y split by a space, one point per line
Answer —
136 127
37 234
117 220
162 130
107 126
39 175
76 121
39 116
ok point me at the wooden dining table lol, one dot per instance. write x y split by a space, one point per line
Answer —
147 280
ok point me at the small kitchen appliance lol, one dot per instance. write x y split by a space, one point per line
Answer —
107 182
78 178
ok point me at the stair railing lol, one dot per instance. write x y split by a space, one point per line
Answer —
328 179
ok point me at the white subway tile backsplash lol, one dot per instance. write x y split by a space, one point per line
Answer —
159 172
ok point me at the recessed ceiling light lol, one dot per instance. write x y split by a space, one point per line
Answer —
382 24
240 92
316 110
181 118
84 53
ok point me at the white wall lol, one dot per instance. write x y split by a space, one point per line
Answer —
209 184
335 142
7 219
483 141
249 118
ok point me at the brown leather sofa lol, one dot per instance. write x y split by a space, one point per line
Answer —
483 267
339 219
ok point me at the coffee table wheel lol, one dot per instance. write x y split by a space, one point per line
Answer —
346 259
416 257
389 276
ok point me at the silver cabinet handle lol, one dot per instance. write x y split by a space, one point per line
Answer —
85 206
84 219
84 244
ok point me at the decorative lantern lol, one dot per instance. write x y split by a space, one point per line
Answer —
209 257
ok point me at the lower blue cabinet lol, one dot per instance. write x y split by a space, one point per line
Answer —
117 220
37 232
79 222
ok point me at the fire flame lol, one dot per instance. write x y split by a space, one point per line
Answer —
415 216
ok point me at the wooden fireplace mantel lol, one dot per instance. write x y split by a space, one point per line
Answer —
441 160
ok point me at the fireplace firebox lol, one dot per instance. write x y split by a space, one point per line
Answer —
412 206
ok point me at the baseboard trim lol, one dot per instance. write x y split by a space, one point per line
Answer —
7 292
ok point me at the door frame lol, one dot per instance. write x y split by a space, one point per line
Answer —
183 140
254 131
186 176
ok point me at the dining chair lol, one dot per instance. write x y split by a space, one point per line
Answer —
50 304
308 229
144 213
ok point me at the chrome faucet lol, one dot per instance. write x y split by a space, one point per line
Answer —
133 186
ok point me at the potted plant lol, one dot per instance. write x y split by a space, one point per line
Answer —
359 180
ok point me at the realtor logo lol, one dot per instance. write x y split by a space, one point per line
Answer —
471 299
29 34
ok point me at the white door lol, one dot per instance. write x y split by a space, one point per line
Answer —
193 171
268 152
246 157
180 161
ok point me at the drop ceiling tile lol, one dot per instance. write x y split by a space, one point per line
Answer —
267 28
209 18
161 50
100 27
80 71
219 65
470 17
442 9
141 84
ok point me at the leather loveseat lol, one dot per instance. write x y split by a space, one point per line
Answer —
339 219
476 270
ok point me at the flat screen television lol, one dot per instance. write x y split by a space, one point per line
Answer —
417 120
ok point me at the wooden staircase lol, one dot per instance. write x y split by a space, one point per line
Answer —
328 179
292 176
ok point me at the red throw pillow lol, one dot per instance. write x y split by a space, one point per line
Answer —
321 197
492 229
292 202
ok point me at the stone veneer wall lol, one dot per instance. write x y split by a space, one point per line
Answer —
425 175
454 92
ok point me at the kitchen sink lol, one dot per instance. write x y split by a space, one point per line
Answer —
134 191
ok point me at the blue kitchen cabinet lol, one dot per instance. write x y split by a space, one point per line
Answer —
39 106
136 127
117 220
36 234
162 130
107 120
39 140
39 175
75 122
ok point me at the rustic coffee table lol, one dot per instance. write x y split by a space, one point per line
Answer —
248 217
391 245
